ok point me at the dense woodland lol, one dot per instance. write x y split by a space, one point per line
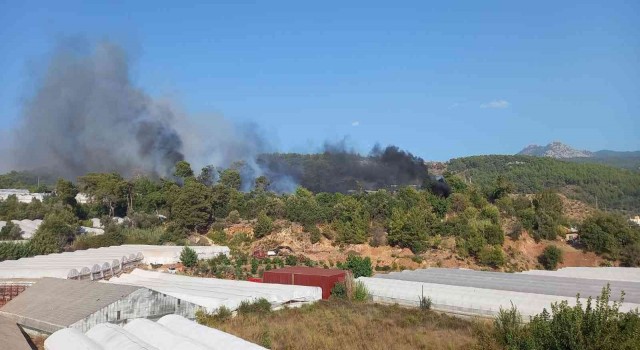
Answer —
612 188
414 218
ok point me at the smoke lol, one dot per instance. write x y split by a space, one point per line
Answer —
85 115
340 169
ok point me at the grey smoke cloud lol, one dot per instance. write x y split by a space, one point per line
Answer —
85 115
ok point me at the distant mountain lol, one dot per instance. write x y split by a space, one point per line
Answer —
556 150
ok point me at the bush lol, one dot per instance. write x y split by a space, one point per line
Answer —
291 260
218 237
378 237
233 217
188 257
254 266
631 255
10 232
263 226
359 266
588 327
516 231
15 250
339 290
492 256
222 314
425 303
314 233
259 306
360 292
550 257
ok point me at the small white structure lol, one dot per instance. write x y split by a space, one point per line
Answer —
83 198
635 220
212 293
23 196
171 332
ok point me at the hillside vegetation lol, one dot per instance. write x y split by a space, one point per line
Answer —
615 189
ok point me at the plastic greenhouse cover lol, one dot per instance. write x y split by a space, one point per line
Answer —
463 300
629 274
209 336
170 332
70 339
114 337
212 293
61 265
161 337
535 284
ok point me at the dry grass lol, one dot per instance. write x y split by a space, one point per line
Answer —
338 324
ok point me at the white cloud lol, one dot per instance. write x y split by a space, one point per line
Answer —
495 104
355 123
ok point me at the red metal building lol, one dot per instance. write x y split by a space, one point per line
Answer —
306 276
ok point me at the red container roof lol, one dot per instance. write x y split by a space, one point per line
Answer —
314 271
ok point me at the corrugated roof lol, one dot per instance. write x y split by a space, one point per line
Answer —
57 303
12 337
315 271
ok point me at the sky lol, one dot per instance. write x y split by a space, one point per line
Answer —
440 79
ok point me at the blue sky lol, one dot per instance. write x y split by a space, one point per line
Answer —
441 80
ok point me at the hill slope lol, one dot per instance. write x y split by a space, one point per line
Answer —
614 188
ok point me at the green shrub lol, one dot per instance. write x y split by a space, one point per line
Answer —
263 226
359 266
291 260
188 257
588 327
339 290
254 266
218 237
222 314
550 257
425 303
360 292
492 256
233 217
259 306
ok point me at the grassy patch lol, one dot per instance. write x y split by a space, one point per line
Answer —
340 324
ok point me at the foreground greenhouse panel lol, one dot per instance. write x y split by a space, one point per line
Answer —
463 300
212 293
95 264
628 274
535 284
170 332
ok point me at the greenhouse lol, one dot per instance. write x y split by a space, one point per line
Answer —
629 274
536 284
95 264
170 332
481 293
212 293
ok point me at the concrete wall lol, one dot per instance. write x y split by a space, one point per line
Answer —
143 303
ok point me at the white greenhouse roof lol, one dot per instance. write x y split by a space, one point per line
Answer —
629 274
516 282
212 293
171 332
463 300
99 262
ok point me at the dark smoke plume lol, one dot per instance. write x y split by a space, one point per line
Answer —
86 116
339 169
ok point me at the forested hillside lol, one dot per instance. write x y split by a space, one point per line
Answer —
614 188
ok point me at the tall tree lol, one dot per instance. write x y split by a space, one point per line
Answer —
109 189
